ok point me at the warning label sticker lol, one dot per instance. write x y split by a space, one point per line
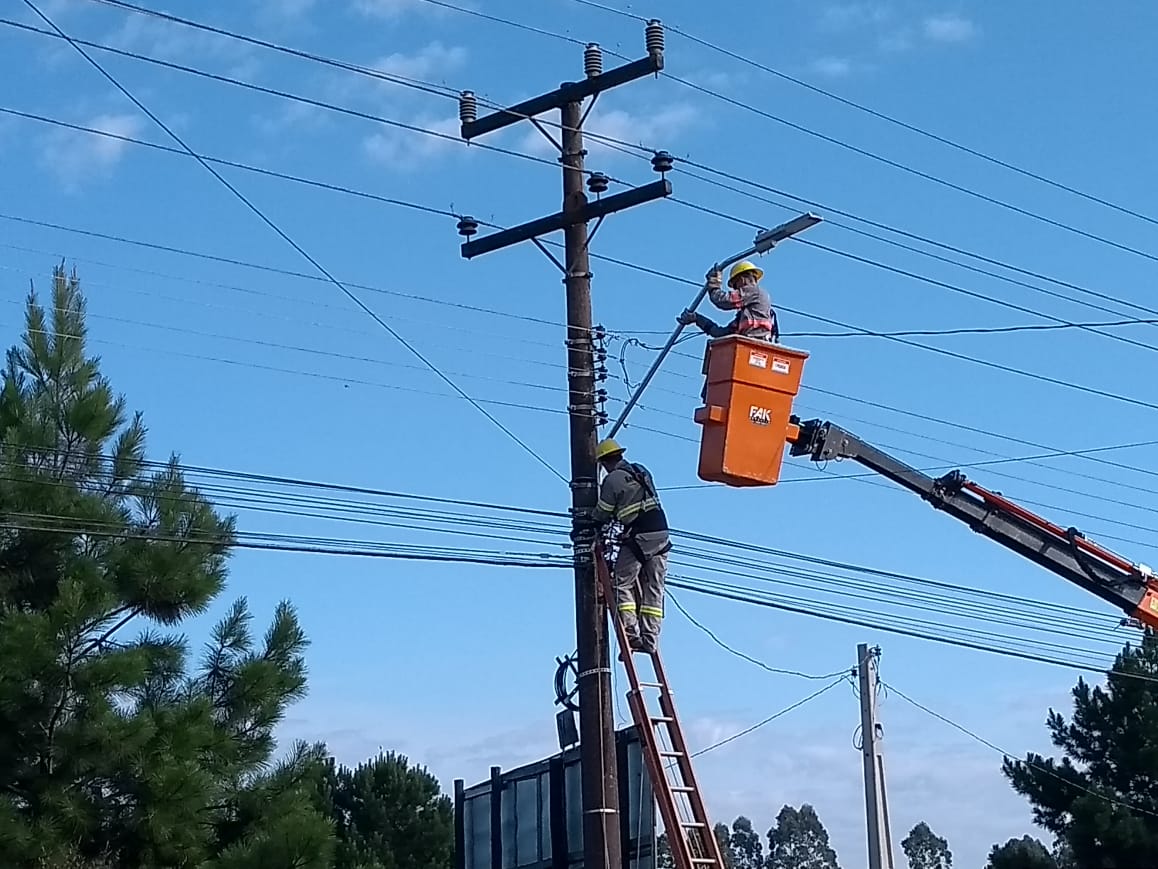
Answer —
758 360
780 366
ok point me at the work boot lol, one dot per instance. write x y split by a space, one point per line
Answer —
635 644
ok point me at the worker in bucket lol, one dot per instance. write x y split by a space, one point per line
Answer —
754 315
628 496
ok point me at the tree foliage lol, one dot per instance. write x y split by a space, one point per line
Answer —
663 857
1100 800
924 849
799 841
747 851
1024 853
724 840
116 746
388 815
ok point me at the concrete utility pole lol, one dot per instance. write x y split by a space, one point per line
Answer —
601 828
880 842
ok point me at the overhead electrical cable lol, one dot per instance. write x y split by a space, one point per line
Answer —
771 717
992 200
820 390
913 128
1130 807
1096 328
279 231
924 278
624 146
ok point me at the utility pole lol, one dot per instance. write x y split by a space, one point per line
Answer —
880 842
600 794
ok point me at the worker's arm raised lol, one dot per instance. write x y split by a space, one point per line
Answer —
706 325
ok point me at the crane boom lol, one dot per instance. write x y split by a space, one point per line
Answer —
1128 586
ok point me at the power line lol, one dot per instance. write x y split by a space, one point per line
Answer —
381 75
1054 451
620 145
830 210
928 280
321 104
1090 327
929 348
443 303
552 388
880 115
332 107
1007 603
1006 755
277 229
839 143
715 639
875 404
771 717
678 582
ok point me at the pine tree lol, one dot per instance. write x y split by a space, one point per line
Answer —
1100 799
114 746
388 815
1024 853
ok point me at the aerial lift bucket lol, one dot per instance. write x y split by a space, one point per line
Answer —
746 417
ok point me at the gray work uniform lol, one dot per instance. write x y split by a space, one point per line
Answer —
628 496
754 315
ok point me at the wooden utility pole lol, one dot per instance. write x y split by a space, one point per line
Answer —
880 843
601 828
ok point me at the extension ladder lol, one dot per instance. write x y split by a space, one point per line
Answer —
690 835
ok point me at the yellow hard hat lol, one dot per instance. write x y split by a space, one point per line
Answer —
744 266
607 448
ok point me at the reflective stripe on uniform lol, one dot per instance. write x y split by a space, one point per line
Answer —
654 612
627 607
630 511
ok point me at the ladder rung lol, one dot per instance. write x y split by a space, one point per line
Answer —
683 789
708 861
671 754
692 824
660 719
651 684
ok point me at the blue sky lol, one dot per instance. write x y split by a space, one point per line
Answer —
453 665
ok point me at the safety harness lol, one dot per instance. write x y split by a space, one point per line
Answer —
647 520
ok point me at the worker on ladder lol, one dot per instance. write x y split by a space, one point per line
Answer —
754 315
628 496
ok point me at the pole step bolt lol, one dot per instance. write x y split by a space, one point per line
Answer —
467 226
593 60
467 107
662 162
653 33
597 182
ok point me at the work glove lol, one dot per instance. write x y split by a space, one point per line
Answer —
687 317
714 279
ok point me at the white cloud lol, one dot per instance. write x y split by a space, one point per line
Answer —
393 8
653 130
844 16
288 8
406 149
168 41
434 59
949 28
832 67
75 156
